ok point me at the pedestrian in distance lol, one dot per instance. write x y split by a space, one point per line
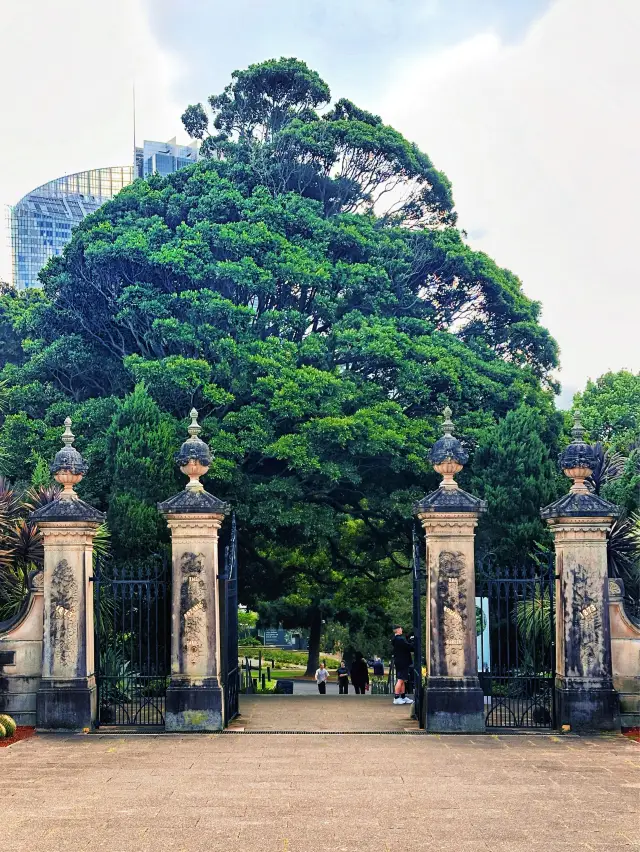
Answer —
402 659
378 667
343 678
322 676
359 674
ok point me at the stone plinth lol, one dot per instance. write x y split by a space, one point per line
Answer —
585 696
194 696
454 698
67 694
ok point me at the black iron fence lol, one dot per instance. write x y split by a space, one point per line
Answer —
228 589
132 642
419 582
516 644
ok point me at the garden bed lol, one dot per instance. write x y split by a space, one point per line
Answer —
23 732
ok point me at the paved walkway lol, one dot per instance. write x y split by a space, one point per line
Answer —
337 713
297 793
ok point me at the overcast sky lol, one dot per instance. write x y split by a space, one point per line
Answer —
529 106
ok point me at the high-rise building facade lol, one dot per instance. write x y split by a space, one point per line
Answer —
163 158
41 222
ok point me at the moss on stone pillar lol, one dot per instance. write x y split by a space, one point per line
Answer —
585 697
194 697
449 515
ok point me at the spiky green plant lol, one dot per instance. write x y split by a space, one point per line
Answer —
533 620
8 724
21 544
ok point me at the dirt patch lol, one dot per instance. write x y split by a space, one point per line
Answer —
23 732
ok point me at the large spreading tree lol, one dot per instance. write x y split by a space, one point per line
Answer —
305 287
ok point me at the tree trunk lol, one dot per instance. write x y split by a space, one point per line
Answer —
315 629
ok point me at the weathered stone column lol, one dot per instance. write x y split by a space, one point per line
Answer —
454 698
67 694
585 696
194 696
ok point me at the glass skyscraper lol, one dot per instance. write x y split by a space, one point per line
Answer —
163 158
41 222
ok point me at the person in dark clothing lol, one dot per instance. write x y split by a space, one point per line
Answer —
378 667
343 679
359 674
402 659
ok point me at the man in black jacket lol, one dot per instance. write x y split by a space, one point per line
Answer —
402 659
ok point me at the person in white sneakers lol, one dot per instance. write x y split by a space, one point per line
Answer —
402 659
322 676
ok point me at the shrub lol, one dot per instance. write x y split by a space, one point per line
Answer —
8 724
252 641
3 731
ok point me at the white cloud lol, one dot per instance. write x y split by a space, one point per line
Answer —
540 140
66 102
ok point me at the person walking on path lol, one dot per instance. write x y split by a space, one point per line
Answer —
378 667
322 676
359 674
402 659
343 679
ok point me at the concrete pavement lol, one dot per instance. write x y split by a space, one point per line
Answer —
333 793
328 713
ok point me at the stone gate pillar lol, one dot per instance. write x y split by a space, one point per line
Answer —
453 697
67 694
194 696
585 696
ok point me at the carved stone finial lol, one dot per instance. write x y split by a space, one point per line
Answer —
447 454
194 456
578 430
447 425
67 436
68 466
194 428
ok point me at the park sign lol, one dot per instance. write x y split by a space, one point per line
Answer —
274 637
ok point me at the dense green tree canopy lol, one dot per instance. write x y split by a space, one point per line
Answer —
318 334
515 470
610 409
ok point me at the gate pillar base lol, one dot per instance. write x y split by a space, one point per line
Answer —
193 706
587 704
454 705
66 704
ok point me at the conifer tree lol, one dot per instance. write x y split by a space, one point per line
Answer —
514 468
141 443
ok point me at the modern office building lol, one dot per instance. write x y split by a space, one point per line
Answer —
164 158
41 222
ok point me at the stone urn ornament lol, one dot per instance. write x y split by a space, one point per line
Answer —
68 466
194 456
447 455
578 460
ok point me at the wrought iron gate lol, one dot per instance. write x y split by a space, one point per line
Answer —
418 604
516 645
229 615
133 642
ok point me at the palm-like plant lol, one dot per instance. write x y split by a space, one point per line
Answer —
609 467
21 542
532 617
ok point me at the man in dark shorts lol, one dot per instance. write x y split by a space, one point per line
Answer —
402 659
